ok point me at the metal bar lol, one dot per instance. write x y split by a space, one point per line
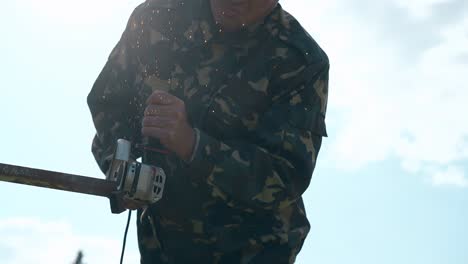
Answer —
56 180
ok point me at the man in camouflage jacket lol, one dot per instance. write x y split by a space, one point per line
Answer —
241 111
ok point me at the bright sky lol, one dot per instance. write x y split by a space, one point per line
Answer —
391 185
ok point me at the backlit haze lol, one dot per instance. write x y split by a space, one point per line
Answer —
391 184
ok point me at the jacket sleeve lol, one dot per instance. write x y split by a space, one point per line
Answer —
273 169
112 100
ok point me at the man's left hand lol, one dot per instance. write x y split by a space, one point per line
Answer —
165 118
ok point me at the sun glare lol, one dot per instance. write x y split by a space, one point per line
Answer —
82 12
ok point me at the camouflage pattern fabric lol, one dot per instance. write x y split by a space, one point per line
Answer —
258 98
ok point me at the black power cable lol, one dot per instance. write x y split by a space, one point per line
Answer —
125 236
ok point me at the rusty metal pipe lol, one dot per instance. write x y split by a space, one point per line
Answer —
56 180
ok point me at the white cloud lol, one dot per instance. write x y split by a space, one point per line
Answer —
29 240
419 8
384 104
453 176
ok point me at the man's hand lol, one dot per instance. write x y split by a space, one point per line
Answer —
165 118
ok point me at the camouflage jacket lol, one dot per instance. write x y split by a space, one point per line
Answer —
258 98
